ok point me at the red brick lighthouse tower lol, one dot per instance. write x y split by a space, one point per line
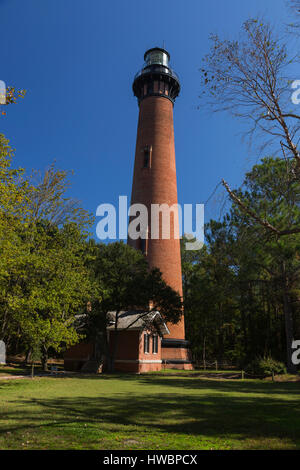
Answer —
156 87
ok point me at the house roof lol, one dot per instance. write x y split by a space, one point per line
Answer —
138 319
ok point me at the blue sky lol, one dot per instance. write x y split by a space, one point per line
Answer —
77 59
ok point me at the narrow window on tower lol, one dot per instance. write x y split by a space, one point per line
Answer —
155 344
143 243
146 343
147 157
143 246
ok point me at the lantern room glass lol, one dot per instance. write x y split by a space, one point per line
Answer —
157 56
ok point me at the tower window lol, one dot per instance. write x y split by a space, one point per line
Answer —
146 343
143 242
155 344
143 246
146 157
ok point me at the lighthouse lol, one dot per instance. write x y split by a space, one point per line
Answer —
156 87
141 348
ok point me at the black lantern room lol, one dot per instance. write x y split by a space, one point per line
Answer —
156 77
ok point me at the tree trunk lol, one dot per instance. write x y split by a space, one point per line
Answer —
288 318
267 309
244 326
101 350
220 351
4 323
114 351
28 355
204 353
115 346
17 342
44 359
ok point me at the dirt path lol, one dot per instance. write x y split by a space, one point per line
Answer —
8 377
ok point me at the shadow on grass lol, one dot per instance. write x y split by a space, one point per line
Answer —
239 386
192 382
209 414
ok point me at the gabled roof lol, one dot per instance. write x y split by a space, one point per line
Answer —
138 320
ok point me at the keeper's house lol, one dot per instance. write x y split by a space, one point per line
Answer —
138 349
139 338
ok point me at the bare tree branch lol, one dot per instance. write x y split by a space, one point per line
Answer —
248 77
253 215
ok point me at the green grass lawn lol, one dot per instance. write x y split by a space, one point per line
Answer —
183 411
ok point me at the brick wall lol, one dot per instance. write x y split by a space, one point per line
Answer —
158 185
130 356
127 344
78 355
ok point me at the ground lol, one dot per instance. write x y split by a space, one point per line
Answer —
157 411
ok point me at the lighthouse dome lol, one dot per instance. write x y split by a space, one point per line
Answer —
157 56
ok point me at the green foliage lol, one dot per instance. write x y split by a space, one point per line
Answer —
121 280
43 278
265 366
241 292
12 96
49 272
36 354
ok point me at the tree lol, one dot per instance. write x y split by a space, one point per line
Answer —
189 258
246 77
43 278
284 191
56 235
242 291
249 78
35 356
11 96
48 201
273 194
294 6
14 214
210 301
56 288
123 281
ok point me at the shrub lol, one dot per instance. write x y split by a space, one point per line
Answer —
264 366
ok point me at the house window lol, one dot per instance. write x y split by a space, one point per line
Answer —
146 343
155 344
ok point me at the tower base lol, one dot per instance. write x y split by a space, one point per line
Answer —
175 354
